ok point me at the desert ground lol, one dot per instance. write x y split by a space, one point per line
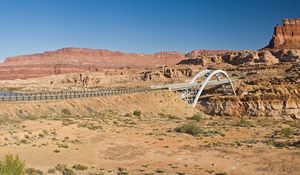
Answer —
146 133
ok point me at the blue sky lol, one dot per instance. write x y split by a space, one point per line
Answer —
31 26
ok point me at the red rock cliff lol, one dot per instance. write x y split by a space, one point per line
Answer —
69 60
286 36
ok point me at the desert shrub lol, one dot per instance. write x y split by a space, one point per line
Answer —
159 171
282 144
173 117
189 128
122 171
137 113
31 117
276 144
32 171
128 115
56 151
244 122
287 132
169 116
213 132
64 169
51 171
23 141
79 167
222 173
198 117
12 165
295 144
293 123
161 114
66 111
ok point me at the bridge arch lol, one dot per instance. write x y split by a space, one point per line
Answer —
199 74
206 81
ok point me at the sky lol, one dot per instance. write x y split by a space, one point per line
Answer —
146 26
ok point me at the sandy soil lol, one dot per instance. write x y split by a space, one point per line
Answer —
112 143
152 102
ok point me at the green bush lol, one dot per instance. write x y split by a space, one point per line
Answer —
287 132
198 117
12 165
137 113
189 128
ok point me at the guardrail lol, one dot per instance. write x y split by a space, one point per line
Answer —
71 94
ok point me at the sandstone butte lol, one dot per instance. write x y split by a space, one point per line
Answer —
286 36
69 60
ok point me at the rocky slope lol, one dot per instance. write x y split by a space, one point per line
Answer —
286 35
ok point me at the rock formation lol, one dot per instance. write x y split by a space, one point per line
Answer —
264 91
286 36
246 57
72 60
95 57
167 72
197 53
69 60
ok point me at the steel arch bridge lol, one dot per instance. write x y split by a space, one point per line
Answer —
192 90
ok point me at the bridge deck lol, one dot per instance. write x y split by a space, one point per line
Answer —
181 86
106 92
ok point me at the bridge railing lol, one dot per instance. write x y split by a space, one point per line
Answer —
70 94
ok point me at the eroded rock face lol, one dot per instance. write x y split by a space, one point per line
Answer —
247 57
197 53
286 36
242 57
167 72
287 55
265 91
202 61
267 57
278 105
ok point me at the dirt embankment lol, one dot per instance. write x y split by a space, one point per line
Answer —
153 102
